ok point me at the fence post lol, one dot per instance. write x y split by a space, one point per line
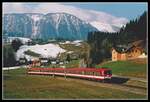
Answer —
65 73
53 72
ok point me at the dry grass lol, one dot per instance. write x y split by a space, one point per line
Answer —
17 85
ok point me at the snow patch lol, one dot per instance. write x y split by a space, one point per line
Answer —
47 50
70 52
76 42
36 18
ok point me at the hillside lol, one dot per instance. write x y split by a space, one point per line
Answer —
101 43
132 68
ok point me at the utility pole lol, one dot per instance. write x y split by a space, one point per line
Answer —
64 72
54 72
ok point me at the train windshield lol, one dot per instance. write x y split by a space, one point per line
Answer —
108 72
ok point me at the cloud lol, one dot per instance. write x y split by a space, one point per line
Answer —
84 14
13 8
55 7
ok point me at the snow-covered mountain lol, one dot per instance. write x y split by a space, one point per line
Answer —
103 21
106 22
59 25
105 27
51 25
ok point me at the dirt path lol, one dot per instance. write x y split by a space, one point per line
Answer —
15 67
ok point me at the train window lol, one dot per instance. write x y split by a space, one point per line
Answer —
108 72
89 73
96 73
102 73
83 72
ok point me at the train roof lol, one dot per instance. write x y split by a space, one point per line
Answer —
75 69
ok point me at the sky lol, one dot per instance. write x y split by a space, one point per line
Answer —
129 10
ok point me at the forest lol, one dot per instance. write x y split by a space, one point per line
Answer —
101 43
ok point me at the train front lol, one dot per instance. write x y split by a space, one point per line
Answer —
106 73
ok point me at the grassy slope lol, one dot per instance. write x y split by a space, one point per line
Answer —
83 48
31 53
128 68
18 85
73 64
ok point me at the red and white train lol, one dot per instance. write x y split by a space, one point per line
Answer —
88 73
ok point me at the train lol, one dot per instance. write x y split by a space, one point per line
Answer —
86 73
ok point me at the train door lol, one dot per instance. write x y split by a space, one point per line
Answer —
102 73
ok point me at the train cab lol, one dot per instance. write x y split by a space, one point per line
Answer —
106 73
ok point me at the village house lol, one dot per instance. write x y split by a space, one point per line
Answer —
131 51
44 61
35 62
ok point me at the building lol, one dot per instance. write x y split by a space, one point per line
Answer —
35 63
44 61
131 51
22 61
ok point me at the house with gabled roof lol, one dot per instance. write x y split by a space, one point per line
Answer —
130 51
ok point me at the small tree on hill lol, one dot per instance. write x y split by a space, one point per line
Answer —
16 44
68 58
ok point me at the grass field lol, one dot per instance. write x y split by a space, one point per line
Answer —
133 68
18 85
73 64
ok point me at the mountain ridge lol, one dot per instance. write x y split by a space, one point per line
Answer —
51 25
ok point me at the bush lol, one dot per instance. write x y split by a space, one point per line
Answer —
16 44
8 56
